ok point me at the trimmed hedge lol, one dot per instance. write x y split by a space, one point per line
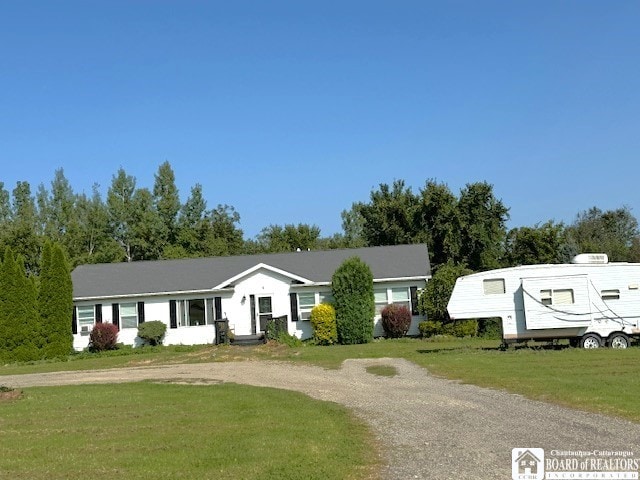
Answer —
323 322
352 285
461 328
152 332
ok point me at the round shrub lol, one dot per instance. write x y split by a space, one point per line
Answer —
104 336
323 322
152 332
396 320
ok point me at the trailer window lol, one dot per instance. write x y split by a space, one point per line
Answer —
493 286
610 294
563 297
557 297
545 297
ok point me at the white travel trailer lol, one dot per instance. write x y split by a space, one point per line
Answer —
591 302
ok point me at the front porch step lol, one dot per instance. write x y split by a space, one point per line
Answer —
249 339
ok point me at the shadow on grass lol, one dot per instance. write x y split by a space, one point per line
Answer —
498 348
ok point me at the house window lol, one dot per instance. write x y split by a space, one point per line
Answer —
557 297
195 312
128 315
306 302
380 299
493 286
610 294
400 296
86 319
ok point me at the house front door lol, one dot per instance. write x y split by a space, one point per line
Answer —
265 311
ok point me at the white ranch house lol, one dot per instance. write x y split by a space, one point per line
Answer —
188 295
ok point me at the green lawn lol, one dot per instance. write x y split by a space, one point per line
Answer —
601 380
163 431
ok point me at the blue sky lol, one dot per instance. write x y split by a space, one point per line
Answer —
292 110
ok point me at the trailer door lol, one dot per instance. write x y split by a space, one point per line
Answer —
556 302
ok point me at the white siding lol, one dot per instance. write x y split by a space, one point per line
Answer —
236 307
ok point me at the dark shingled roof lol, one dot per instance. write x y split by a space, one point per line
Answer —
199 274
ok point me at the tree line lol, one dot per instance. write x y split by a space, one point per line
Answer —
137 223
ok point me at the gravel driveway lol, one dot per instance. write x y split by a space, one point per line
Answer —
431 428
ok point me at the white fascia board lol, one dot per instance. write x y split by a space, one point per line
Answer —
375 280
266 267
401 279
154 294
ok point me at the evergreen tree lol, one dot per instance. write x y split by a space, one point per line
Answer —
352 285
19 332
55 303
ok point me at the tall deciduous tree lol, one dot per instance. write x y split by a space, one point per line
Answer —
120 208
147 229
5 205
193 227
227 238
289 238
352 286
353 227
392 216
538 244
611 232
22 233
482 226
167 203
440 221
89 239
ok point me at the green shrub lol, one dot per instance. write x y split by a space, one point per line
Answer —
396 320
323 322
287 339
104 336
152 332
275 327
461 328
352 286
430 328
490 328
435 296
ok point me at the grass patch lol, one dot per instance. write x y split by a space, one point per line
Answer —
382 370
148 430
601 380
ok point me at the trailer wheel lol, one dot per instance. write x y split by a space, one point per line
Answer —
590 341
618 340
